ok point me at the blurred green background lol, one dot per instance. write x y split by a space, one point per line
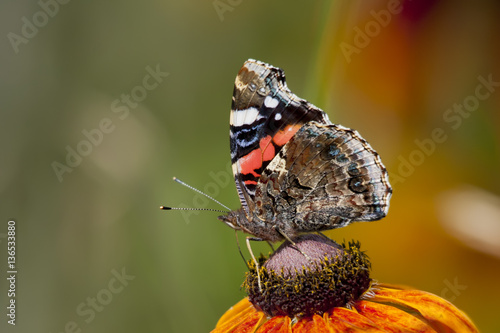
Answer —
396 72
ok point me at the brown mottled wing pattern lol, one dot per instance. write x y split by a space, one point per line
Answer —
325 177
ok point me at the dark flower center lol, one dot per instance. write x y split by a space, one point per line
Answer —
311 277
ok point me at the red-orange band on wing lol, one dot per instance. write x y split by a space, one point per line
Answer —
268 151
251 162
283 136
254 160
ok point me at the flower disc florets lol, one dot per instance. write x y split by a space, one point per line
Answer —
310 277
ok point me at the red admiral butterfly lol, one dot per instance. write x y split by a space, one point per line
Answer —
295 171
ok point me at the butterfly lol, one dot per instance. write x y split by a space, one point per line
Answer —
295 171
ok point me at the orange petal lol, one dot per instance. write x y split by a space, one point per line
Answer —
440 314
236 310
390 318
344 320
242 317
279 324
250 324
314 324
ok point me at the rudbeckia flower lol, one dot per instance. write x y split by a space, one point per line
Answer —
316 285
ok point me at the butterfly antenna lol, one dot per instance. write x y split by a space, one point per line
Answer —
200 192
186 208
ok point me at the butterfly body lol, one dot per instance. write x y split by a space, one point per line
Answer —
294 170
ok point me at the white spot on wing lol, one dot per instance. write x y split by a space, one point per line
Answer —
244 117
271 102
277 116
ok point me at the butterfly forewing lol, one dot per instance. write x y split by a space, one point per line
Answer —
264 116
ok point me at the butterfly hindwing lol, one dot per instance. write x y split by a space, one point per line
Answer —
325 177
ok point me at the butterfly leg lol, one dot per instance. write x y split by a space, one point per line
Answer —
323 235
255 260
239 249
292 242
